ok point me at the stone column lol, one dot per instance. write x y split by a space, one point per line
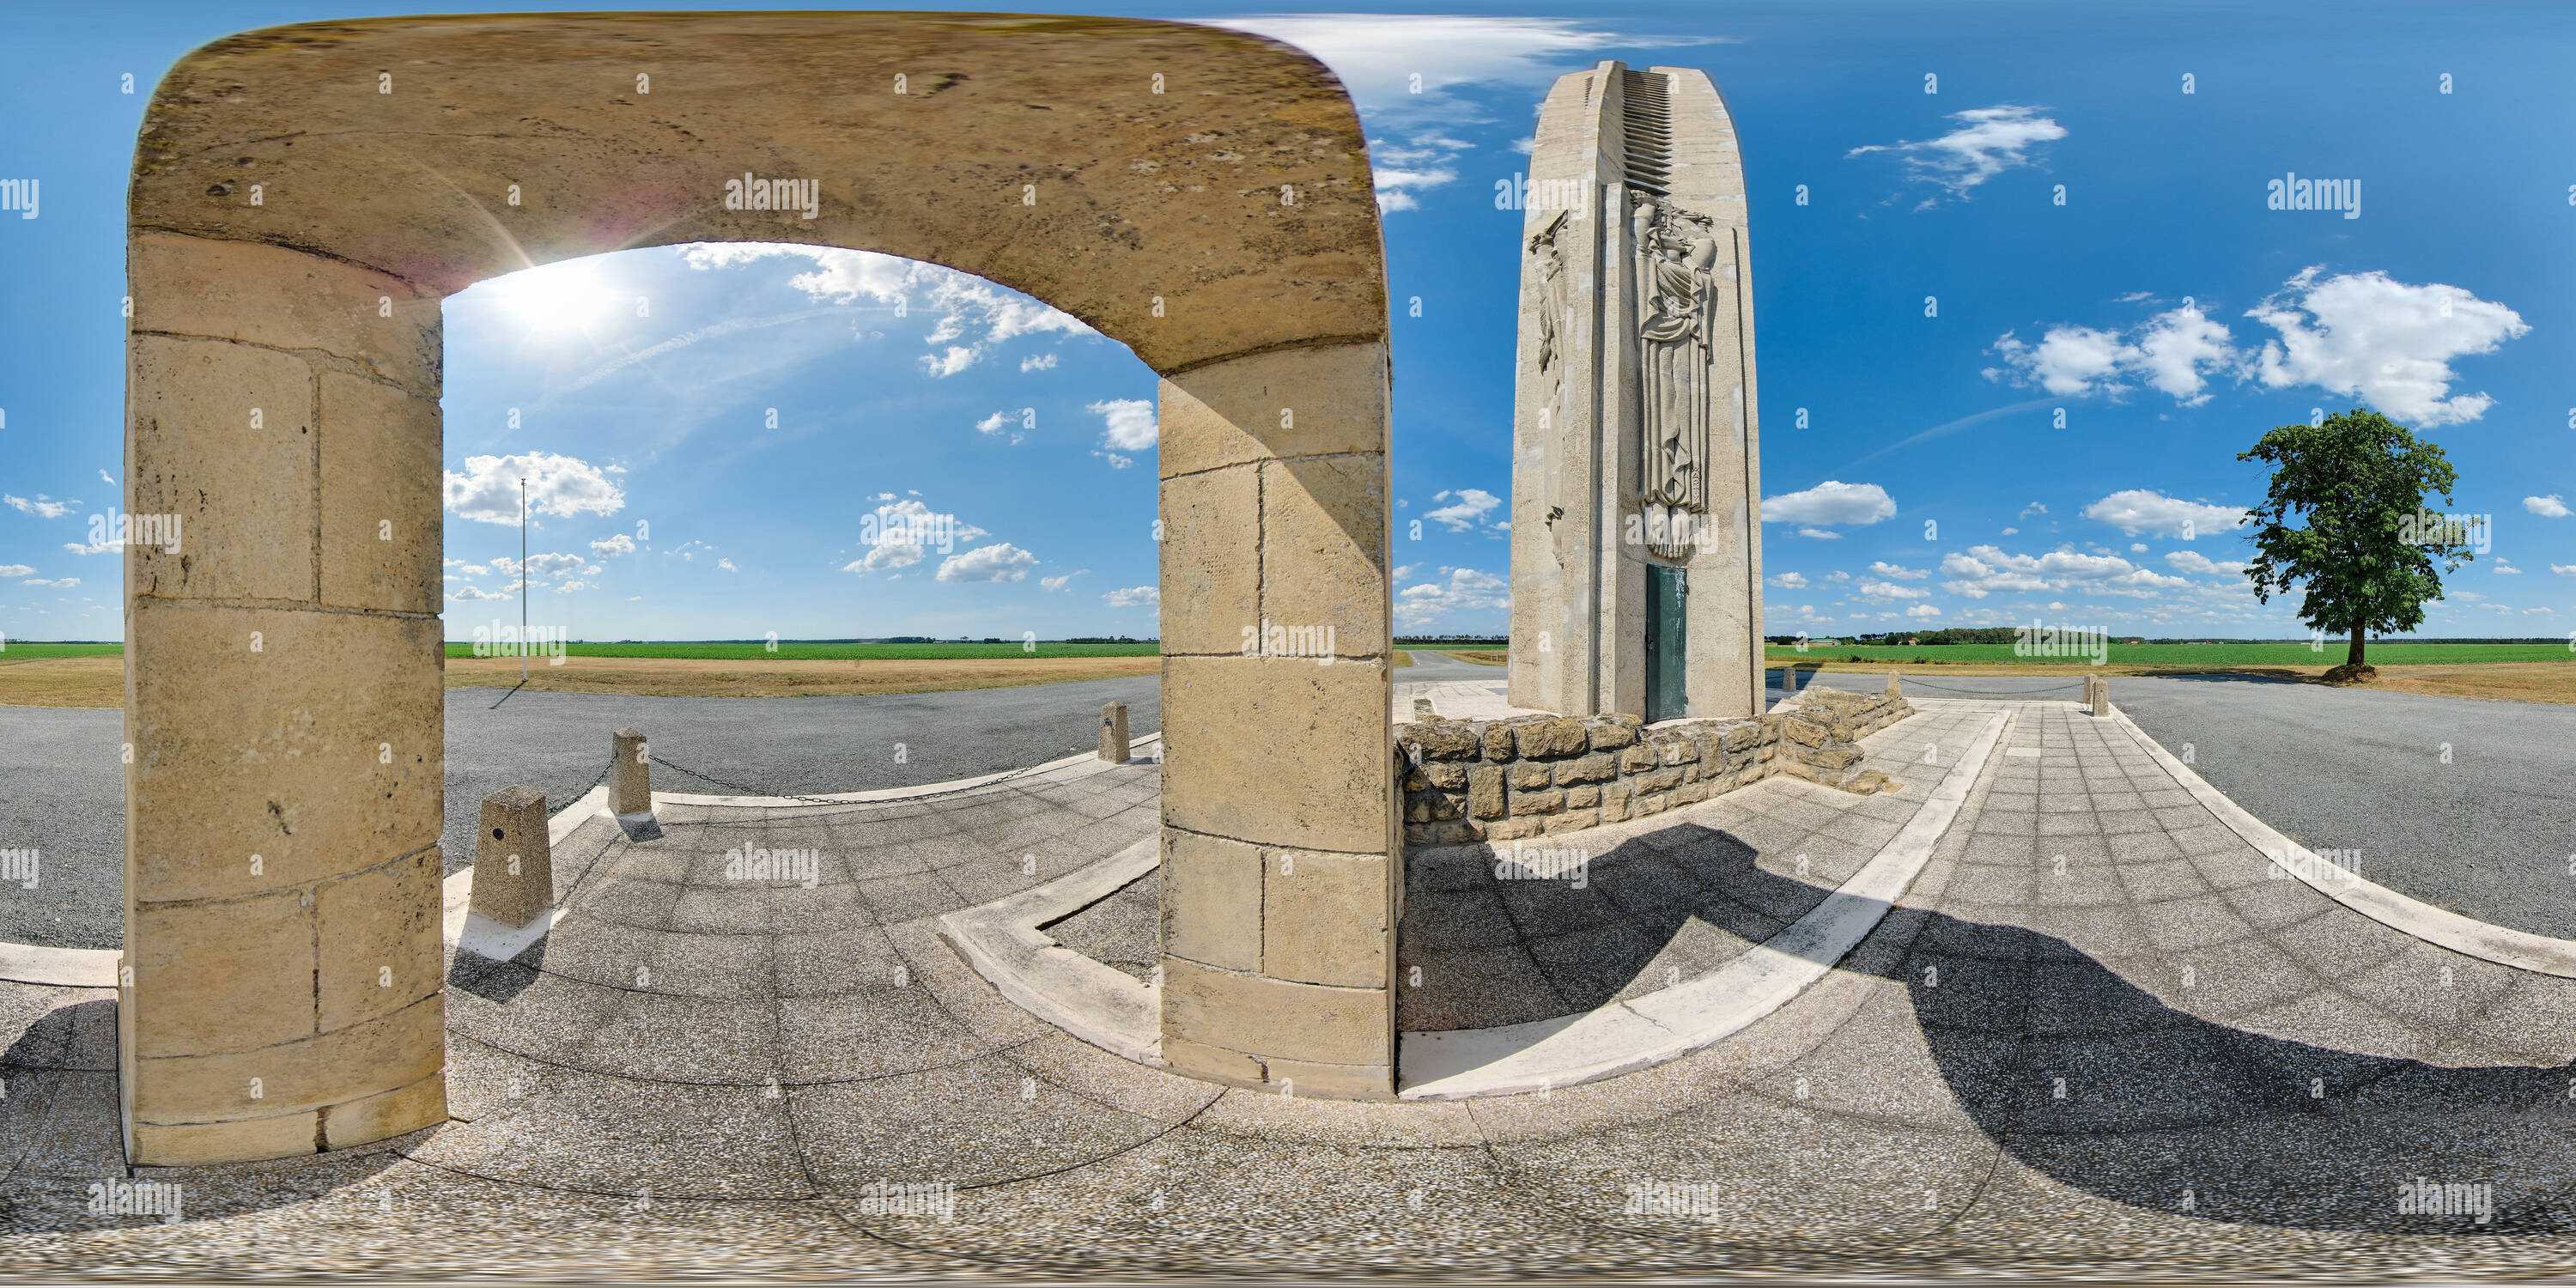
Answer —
284 705
1281 863
514 871
630 775
1114 746
1636 322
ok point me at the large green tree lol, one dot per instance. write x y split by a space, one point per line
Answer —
2368 544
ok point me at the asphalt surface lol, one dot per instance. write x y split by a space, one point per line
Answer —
2464 804
1432 668
62 792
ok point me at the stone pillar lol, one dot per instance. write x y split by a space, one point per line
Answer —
630 776
514 870
1281 859
284 705
1893 686
1636 324
1114 746
2101 695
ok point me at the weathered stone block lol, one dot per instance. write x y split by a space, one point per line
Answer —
1323 548
630 775
1227 413
379 940
1659 781
386 1114
514 869
1211 561
1529 775
1335 1081
1586 797
1271 1017
1612 735
315 741
1216 1064
1115 746
1324 918
1326 788
1557 737
1637 760
1573 821
1445 776
381 536
242 1141
1587 769
1546 802
213 977
243 497
1212 900
1649 803
1499 742
1513 829
1443 739
286 299
335 1068
1485 791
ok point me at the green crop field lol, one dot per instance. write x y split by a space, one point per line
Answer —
20 650
2213 656
791 650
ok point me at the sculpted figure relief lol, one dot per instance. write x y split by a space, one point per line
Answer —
1676 254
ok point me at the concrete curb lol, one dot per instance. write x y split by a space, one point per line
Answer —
1672 1022
1099 1004
2439 927
59 967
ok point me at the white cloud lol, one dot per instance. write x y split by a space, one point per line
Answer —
898 531
2139 510
1467 590
1986 142
1038 362
2176 352
1987 570
611 547
1135 597
2012 532
969 308
1820 534
107 478
2547 507
1116 461
2194 561
488 490
15 570
1881 592
999 562
542 566
1838 576
1058 583
2388 342
1923 611
469 592
1899 572
1131 422
958 358
2563 570
1831 501
1470 505
42 507
1790 581
727 565
2505 569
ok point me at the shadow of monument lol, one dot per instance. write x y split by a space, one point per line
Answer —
2097 1083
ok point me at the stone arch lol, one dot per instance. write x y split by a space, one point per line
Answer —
304 196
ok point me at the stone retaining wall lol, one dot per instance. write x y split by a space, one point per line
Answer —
1500 780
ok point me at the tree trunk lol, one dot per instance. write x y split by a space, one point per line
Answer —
2355 659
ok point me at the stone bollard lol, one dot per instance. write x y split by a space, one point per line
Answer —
1114 747
1894 687
514 868
2101 695
1422 710
630 780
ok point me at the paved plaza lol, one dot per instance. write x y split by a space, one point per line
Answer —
2098 1028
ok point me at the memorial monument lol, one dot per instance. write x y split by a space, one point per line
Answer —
1636 532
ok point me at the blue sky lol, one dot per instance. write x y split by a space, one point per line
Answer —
2162 307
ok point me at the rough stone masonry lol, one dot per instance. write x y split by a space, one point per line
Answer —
1501 780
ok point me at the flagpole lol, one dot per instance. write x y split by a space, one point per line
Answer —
523 581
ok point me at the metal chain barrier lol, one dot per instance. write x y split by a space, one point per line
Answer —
1981 693
749 790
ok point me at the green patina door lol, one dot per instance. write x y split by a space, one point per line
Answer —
1667 695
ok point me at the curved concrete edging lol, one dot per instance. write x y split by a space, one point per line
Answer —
2440 927
1672 1022
886 794
59 967
1101 1005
